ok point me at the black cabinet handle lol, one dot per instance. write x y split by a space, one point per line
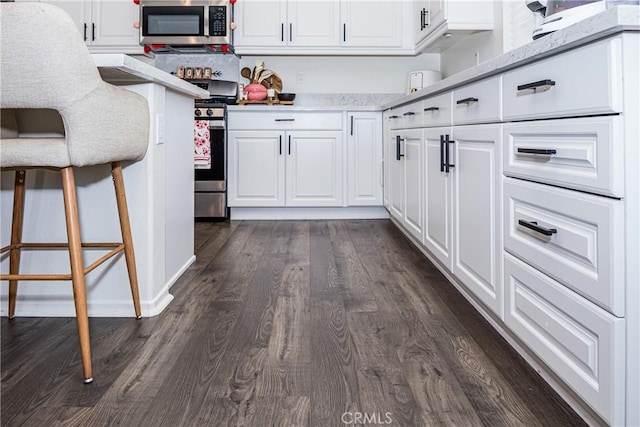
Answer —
351 125
93 31
447 165
282 32
441 153
285 120
394 117
467 101
432 109
422 20
399 155
290 31
85 31
409 113
541 151
533 225
542 84
289 144
280 141
344 32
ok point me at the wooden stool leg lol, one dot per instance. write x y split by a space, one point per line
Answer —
125 227
16 237
77 269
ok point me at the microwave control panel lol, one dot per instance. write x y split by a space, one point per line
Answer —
218 21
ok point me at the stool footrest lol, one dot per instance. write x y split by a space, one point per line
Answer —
117 248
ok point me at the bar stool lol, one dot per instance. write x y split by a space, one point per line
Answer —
51 70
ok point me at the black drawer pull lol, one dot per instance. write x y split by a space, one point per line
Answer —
285 120
409 113
541 151
399 154
394 117
432 109
542 85
533 225
467 101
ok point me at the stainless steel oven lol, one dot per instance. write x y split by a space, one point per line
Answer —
210 160
185 22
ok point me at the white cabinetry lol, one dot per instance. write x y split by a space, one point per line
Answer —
364 159
279 23
300 27
106 25
546 234
371 23
285 159
433 18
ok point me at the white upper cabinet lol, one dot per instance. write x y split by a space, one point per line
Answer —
371 23
278 23
439 24
300 27
106 25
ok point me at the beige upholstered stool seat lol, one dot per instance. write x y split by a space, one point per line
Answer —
57 113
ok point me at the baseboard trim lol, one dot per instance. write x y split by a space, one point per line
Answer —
365 212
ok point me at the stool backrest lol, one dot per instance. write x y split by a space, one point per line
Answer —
44 62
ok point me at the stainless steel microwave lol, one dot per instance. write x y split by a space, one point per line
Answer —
185 22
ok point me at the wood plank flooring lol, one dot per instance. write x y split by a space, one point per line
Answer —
283 323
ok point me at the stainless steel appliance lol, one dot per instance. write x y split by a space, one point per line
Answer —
211 163
210 131
553 15
185 22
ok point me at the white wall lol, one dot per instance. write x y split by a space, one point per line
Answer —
344 74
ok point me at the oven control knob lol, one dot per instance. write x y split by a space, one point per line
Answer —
198 112
209 112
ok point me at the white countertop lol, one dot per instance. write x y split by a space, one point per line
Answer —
120 69
327 102
607 23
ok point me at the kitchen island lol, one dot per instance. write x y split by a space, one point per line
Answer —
160 198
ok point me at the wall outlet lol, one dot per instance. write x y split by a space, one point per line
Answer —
300 77
476 57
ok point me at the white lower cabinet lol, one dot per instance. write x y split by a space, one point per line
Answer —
477 208
581 343
364 159
278 168
462 205
406 177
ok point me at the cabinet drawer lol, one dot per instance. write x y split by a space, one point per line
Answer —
576 238
436 111
406 116
477 103
276 120
585 154
581 343
586 81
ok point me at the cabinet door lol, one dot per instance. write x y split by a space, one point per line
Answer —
256 168
314 168
413 182
313 23
386 137
371 23
112 23
438 199
80 12
364 159
435 14
396 176
260 23
477 225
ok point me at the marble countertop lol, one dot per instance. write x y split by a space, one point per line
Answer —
120 69
327 102
610 22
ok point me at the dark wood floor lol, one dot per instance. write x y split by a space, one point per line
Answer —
288 323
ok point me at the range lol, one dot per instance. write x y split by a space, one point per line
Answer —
218 73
